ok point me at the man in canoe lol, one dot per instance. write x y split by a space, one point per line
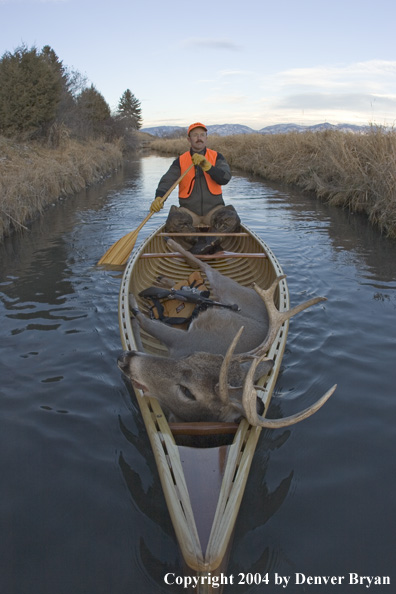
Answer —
200 194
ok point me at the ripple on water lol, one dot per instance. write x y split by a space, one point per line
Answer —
83 510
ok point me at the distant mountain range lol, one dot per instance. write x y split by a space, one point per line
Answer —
231 129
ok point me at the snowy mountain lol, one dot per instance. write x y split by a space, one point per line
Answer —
165 131
234 129
220 129
229 129
285 128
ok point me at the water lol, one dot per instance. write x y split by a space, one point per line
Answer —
81 504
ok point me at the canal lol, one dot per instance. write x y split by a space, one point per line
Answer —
82 510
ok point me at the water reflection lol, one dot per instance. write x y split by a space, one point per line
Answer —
348 232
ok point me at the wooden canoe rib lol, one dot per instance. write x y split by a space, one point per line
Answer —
204 541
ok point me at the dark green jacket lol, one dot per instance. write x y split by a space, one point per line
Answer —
200 201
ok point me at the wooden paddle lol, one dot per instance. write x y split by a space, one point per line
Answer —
119 252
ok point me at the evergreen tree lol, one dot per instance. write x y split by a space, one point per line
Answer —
93 112
66 105
129 110
93 105
48 55
30 91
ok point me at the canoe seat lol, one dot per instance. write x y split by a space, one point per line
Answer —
203 428
203 434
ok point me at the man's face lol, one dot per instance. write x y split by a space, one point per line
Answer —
197 139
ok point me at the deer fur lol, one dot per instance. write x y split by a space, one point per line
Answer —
205 376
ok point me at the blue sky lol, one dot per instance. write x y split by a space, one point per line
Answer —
251 62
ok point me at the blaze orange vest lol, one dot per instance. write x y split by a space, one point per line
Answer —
187 183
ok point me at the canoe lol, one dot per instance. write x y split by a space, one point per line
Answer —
203 467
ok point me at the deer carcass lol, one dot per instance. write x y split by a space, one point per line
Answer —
212 367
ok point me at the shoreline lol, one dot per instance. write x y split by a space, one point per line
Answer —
34 176
353 171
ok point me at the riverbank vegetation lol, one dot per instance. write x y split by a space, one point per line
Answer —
38 92
33 176
57 134
354 171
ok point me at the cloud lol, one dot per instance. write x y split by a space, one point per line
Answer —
346 92
370 76
355 101
208 43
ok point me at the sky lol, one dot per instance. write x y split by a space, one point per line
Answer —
251 62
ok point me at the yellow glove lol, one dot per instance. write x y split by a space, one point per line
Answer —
200 160
156 204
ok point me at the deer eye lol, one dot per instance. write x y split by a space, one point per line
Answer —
186 392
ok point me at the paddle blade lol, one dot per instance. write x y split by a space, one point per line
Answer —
119 252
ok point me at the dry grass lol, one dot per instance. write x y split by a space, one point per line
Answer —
353 171
33 176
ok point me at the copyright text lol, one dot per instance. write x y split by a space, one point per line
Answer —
283 581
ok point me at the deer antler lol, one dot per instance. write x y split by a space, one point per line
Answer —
275 317
223 385
249 404
223 376
249 397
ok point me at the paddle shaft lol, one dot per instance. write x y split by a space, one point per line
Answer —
164 197
120 251
177 182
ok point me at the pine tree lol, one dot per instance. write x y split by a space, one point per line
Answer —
30 91
93 105
129 110
93 113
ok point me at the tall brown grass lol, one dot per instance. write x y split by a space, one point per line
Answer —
32 176
355 171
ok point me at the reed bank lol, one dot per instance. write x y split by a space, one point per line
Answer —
352 171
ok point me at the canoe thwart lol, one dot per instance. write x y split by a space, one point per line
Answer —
203 234
216 256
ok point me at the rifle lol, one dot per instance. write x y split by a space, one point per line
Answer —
188 294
